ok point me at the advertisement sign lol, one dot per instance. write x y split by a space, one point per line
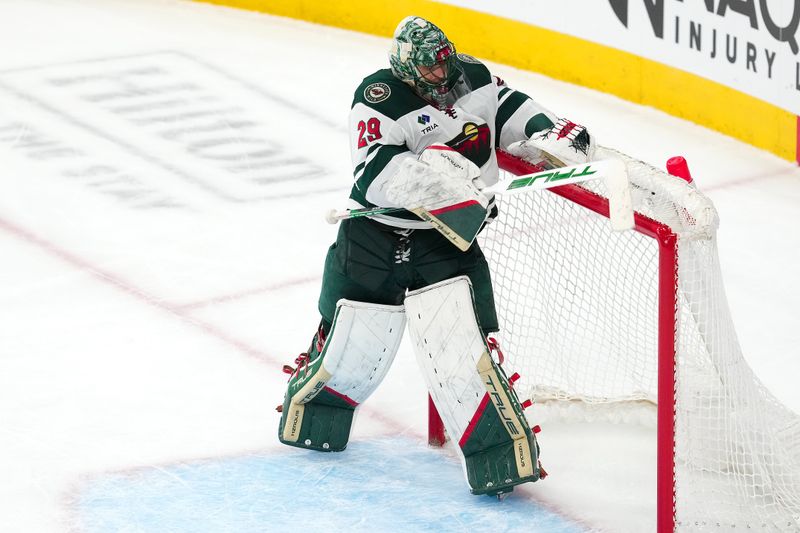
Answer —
748 45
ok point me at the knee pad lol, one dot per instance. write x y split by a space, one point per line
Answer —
478 407
340 373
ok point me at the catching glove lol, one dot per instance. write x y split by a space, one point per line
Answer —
566 143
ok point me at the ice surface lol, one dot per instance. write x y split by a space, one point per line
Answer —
297 490
165 170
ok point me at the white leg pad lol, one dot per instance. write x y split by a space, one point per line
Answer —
361 346
322 396
448 343
498 448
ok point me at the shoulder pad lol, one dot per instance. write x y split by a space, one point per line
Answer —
475 71
386 94
466 58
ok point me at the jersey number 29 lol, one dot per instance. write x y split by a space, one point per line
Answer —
368 132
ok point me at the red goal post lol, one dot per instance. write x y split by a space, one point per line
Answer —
640 317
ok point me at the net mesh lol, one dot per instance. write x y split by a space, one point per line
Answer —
578 310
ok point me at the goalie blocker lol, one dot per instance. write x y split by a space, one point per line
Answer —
478 407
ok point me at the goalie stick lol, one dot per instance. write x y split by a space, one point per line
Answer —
612 171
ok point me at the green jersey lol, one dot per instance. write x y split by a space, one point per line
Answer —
389 121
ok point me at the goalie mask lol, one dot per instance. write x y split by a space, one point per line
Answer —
422 56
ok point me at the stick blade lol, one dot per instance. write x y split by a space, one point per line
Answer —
459 222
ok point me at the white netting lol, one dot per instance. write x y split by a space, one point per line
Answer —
578 310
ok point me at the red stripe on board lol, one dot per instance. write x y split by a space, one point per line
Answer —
341 396
454 207
474 422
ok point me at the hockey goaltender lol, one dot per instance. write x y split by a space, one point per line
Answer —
423 138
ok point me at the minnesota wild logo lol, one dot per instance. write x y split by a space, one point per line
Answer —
377 92
474 142
468 59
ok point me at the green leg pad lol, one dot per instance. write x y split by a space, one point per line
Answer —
494 471
501 450
324 422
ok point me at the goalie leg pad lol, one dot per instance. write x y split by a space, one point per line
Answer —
471 392
327 387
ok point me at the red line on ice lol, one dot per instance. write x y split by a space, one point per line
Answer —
117 282
250 292
395 427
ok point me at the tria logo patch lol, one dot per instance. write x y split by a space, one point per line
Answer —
423 119
429 128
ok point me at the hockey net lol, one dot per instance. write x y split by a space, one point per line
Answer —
634 324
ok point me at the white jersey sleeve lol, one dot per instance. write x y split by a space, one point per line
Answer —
518 116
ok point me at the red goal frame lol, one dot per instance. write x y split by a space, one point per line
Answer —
667 322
